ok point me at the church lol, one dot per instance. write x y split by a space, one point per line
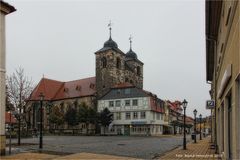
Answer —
113 67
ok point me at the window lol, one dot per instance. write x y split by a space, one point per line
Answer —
118 116
162 117
104 62
111 104
143 115
158 116
62 107
128 115
131 81
228 16
118 103
126 80
118 64
138 71
135 115
135 102
222 48
127 91
127 102
118 91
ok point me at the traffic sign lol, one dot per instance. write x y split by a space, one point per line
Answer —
210 104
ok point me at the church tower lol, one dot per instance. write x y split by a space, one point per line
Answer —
133 68
110 66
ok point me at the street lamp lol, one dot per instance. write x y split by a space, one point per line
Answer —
204 127
195 114
41 119
200 117
184 104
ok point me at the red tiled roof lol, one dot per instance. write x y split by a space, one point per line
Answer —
77 88
7 118
175 106
56 90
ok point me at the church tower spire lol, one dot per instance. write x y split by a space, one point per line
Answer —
130 40
110 29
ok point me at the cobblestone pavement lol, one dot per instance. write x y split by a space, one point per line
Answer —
127 146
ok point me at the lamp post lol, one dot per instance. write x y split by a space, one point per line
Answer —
10 132
200 117
184 104
195 114
204 127
41 119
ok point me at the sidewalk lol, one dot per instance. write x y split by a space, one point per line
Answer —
199 150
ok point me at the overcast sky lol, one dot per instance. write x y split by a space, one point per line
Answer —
59 38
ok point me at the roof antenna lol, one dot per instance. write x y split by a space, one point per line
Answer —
110 29
130 39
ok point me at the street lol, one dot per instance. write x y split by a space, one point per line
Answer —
137 147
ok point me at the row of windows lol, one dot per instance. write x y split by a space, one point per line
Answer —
130 115
127 103
157 116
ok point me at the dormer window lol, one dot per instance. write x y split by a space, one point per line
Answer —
92 86
78 88
65 90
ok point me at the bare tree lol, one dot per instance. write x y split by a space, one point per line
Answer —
19 88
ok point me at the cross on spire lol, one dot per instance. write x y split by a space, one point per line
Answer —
110 28
130 40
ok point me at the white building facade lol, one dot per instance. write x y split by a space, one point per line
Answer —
135 112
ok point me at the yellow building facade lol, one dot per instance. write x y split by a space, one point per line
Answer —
223 73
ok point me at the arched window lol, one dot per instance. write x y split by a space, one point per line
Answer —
104 62
138 71
126 80
118 64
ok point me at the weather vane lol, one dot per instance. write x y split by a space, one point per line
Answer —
130 39
110 28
